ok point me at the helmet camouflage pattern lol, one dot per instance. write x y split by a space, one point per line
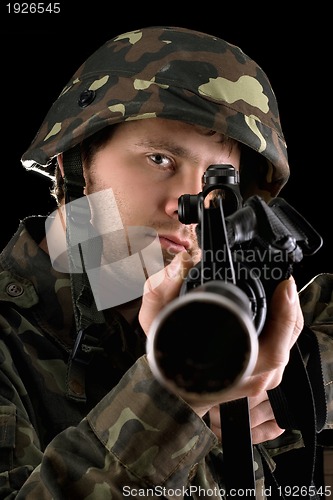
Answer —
172 73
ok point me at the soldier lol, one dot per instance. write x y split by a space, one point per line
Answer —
83 413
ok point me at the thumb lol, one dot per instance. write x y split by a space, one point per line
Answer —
162 287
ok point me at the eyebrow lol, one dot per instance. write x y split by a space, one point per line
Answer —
169 146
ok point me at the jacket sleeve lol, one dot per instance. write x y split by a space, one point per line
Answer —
128 444
317 305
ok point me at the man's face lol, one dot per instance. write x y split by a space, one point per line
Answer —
148 164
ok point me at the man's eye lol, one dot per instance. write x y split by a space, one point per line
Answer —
160 160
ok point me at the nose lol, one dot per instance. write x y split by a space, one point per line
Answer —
186 183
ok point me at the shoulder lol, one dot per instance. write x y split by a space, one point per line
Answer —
316 299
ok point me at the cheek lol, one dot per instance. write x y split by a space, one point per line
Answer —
136 203
137 197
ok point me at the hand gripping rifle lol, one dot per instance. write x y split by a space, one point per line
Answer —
206 339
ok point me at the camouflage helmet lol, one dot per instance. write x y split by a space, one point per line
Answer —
178 74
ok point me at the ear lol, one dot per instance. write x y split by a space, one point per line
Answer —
61 164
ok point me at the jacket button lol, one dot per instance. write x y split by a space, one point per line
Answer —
14 290
86 98
76 387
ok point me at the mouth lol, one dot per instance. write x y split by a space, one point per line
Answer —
172 244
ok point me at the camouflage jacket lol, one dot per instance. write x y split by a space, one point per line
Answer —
107 429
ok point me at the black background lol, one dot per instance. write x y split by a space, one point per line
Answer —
40 53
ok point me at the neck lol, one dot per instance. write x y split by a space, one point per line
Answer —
56 236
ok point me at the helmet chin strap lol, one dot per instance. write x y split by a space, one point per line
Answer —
84 249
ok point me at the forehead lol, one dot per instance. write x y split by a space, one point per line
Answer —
195 143
158 126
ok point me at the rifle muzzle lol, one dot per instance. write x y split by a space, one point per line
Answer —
204 342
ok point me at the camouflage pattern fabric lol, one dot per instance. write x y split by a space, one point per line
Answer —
100 430
113 438
172 73
317 304
88 450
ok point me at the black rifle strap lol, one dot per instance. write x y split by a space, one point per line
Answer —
238 462
309 347
299 403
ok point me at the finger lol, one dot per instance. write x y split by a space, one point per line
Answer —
256 400
281 328
266 432
215 421
299 324
263 424
261 412
166 283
